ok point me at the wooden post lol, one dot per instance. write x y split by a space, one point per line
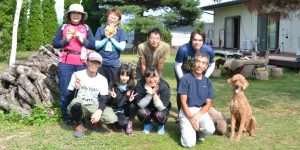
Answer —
13 51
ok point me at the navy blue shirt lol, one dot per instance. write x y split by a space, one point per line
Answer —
110 58
197 91
186 54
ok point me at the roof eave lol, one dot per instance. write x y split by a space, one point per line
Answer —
225 4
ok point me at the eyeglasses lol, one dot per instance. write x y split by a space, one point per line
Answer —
113 17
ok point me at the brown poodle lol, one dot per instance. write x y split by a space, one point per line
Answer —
241 112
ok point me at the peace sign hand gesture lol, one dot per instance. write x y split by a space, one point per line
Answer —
132 95
112 93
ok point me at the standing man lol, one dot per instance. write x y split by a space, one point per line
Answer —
153 52
88 91
185 55
196 94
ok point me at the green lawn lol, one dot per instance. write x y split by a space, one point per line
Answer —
275 103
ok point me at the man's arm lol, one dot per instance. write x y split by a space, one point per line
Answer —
160 65
184 106
205 108
178 70
189 116
143 65
210 69
196 117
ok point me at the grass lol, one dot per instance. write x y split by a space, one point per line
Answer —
275 103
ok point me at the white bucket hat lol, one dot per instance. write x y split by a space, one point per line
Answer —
77 8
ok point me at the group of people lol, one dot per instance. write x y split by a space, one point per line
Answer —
95 88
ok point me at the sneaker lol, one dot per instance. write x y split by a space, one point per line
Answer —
200 136
161 129
129 128
96 126
177 119
147 128
69 122
79 131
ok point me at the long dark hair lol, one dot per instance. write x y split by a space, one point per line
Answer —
126 69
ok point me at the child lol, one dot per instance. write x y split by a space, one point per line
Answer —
122 96
72 38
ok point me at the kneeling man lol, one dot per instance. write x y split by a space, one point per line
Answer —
196 94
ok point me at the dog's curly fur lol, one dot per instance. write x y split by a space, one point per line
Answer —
241 112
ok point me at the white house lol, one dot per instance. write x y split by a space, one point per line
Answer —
237 28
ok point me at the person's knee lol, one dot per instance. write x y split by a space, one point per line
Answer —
160 117
209 129
143 115
186 141
76 110
122 120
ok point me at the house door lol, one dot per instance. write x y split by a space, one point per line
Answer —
267 33
232 32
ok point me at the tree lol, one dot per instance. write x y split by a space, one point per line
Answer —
7 9
67 3
23 26
276 9
50 20
35 25
174 13
94 14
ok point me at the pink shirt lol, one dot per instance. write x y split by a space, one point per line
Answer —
74 44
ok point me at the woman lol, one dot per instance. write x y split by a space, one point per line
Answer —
153 100
110 42
73 38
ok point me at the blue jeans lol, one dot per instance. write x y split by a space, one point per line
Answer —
65 74
110 73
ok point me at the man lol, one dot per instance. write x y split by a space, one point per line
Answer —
88 91
185 55
196 94
153 52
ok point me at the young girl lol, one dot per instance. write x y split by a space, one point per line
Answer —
122 97
73 38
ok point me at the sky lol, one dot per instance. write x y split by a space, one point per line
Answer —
59 6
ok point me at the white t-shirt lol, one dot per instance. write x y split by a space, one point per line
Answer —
89 87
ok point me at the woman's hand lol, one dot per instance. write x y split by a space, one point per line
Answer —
113 93
110 31
132 95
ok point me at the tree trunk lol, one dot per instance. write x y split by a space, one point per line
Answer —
12 107
3 91
25 83
12 58
22 93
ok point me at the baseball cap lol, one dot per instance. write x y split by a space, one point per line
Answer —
95 56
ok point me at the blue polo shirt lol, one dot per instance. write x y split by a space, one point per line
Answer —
197 91
186 54
110 58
